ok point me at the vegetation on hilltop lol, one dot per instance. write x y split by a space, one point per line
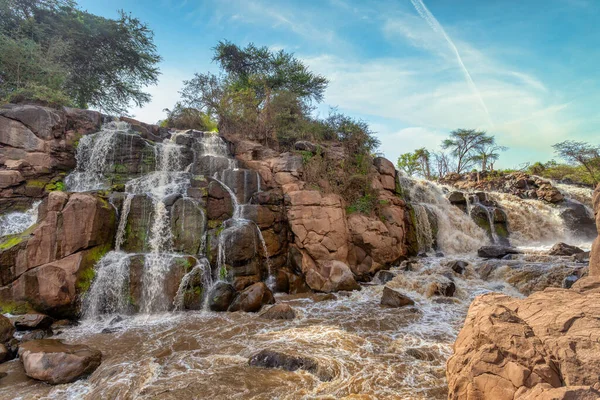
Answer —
270 97
53 53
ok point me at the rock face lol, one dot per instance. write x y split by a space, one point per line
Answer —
54 362
52 264
544 346
595 253
33 321
36 145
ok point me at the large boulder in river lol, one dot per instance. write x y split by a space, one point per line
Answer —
288 362
279 311
221 296
496 251
579 220
563 249
545 345
252 298
392 298
54 362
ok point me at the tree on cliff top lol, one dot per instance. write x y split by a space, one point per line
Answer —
465 145
89 60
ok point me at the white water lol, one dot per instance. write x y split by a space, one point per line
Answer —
202 269
457 232
92 155
17 222
109 293
123 221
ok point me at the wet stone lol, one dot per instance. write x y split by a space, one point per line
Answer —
392 298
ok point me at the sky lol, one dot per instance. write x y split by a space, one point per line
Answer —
526 71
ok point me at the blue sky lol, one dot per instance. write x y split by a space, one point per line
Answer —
531 73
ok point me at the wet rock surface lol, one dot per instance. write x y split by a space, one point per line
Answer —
273 359
55 362
392 298
279 311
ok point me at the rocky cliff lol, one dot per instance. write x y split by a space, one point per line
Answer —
309 241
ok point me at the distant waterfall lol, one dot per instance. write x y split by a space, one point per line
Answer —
456 231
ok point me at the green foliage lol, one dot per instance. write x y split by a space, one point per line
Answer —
182 117
53 52
56 186
409 163
10 241
223 273
576 174
365 204
582 154
15 308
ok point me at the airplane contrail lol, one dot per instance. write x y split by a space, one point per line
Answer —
437 27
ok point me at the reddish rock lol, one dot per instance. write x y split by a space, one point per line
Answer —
392 298
252 298
6 329
279 311
535 348
33 321
54 362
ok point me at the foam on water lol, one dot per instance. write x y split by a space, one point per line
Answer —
17 222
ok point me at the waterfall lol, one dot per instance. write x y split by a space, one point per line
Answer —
456 231
92 155
532 222
17 222
202 268
123 221
109 293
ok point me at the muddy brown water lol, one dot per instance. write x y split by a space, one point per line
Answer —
372 352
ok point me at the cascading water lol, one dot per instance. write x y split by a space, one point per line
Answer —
456 232
201 270
92 155
17 222
109 292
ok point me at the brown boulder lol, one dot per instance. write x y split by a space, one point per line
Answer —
545 345
33 321
55 362
327 276
392 298
384 166
563 249
252 298
6 329
279 311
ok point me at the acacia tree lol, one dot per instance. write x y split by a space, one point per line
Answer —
423 156
582 153
464 144
488 154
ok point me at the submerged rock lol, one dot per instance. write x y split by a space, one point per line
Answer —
458 266
36 335
275 359
384 277
563 249
392 298
252 298
279 311
55 362
441 287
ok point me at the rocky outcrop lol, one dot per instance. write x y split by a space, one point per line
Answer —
49 265
37 144
275 359
518 183
544 346
252 298
6 329
54 362
496 251
595 253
